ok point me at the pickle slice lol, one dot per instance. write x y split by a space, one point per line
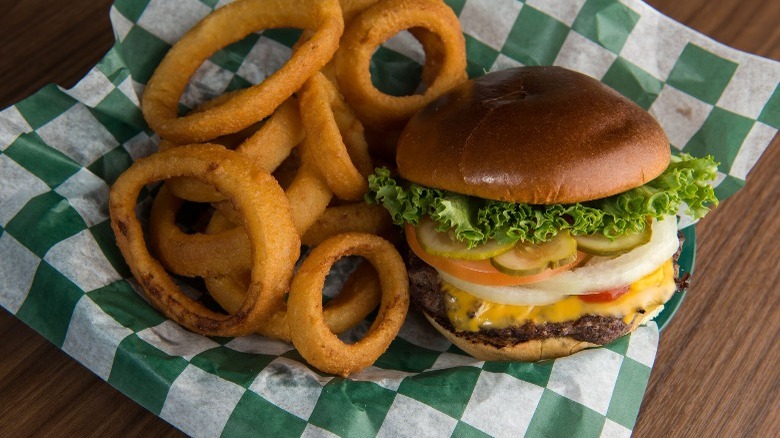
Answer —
444 244
529 259
601 245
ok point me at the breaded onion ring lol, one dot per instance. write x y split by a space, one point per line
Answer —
341 151
312 337
430 42
198 254
275 244
356 217
308 194
224 26
351 8
211 255
359 296
268 146
202 255
377 24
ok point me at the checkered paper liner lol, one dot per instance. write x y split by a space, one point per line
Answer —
61 273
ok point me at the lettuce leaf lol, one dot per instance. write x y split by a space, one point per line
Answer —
474 220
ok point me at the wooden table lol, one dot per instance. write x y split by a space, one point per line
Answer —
717 371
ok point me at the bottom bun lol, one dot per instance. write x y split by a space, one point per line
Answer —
529 351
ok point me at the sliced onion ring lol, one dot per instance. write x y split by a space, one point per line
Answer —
592 277
624 269
514 295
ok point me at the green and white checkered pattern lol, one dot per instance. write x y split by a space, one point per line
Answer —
61 273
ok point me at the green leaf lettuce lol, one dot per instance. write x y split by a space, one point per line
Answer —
475 220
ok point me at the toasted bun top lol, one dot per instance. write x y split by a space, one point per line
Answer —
539 135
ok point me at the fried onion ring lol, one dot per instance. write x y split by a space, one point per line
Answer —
225 248
312 337
377 24
275 244
268 146
211 255
359 296
308 194
201 255
351 8
355 217
341 151
224 26
198 254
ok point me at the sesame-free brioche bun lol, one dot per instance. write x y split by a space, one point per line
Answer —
537 135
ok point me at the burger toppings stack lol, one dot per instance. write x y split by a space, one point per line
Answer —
540 209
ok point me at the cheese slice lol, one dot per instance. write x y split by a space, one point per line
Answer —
469 313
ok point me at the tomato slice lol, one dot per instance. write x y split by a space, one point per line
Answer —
481 271
604 296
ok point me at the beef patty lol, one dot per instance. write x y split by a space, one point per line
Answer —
426 294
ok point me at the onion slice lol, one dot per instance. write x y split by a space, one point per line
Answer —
595 276
514 295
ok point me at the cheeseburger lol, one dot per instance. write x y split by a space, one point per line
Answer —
540 209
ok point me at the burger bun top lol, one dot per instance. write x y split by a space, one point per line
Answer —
537 135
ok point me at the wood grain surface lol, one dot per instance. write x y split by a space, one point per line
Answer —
717 372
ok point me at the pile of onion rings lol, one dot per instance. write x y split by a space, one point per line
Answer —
253 174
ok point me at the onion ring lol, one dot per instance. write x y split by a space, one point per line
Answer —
202 255
224 26
351 8
224 249
311 336
359 296
357 217
377 24
269 225
211 255
267 147
308 194
339 136
199 254
433 57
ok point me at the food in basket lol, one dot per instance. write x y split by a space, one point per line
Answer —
252 174
540 208
275 244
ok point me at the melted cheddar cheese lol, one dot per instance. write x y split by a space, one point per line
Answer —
469 313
